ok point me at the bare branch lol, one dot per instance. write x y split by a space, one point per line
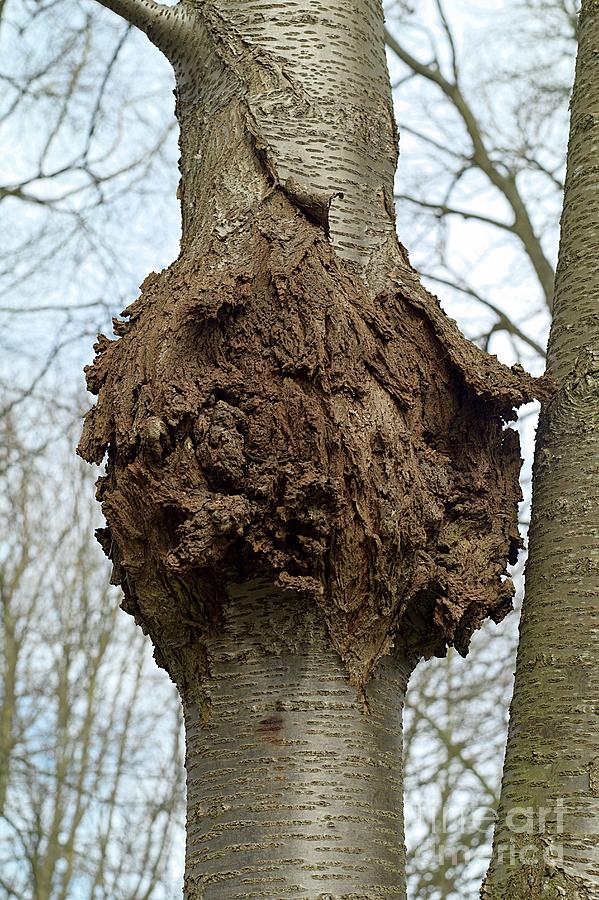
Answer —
159 22
504 323
427 139
441 209
450 40
505 182
97 104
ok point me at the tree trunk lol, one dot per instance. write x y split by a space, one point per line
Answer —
287 405
292 790
546 836
296 95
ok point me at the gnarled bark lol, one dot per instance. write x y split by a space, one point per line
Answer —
265 415
546 841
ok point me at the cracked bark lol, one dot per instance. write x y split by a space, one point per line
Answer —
297 434
546 840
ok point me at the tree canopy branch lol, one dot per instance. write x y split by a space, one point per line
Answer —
442 209
482 157
503 323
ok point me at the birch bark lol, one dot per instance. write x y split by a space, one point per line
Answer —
292 789
547 835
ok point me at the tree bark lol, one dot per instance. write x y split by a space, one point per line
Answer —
292 790
286 403
548 820
306 85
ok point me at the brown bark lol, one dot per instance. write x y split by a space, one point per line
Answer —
266 416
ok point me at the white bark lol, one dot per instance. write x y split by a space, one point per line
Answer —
293 790
164 25
312 80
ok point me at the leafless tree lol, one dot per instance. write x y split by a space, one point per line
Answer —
81 149
90 785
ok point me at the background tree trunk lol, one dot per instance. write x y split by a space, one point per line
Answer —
548 820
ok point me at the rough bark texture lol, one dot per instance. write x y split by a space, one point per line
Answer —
550 792
286 403
266 416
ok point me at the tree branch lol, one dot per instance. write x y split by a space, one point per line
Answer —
450 40
442 209
159 22
481 156
503 323
427 139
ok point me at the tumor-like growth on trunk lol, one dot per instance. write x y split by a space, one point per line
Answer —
275 419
